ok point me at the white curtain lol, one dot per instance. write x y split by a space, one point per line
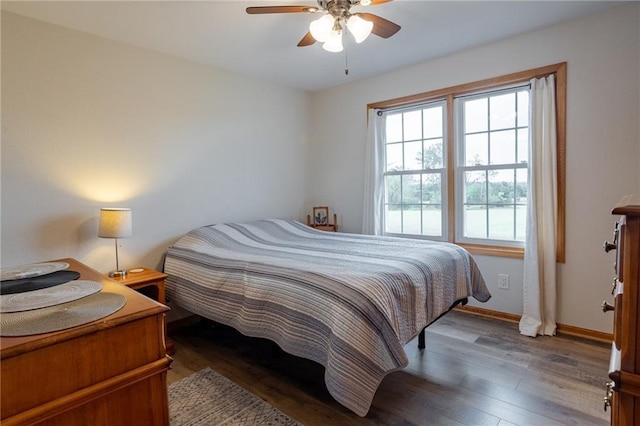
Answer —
373 177
539 313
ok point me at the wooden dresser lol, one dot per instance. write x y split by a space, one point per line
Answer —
623 392
107 372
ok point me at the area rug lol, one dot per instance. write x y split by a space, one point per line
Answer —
206 398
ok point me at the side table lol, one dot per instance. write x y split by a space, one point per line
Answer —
150 283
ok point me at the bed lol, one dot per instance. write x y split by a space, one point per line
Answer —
347 301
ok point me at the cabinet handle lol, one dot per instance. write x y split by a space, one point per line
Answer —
608 395
609 246
607 307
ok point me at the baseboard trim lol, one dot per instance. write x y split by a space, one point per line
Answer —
561 328
586 333
489 313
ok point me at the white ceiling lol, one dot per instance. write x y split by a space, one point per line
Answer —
222 34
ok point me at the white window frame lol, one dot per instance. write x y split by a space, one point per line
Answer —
461 167
441 171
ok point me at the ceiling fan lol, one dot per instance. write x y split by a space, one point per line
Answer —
335 15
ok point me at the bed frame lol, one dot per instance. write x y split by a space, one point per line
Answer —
421 342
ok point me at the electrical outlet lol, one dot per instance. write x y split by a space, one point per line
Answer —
503 281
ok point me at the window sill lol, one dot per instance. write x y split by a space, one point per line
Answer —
486 250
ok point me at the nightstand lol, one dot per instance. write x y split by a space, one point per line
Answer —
150 283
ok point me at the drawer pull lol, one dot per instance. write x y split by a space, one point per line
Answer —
607 307
608 395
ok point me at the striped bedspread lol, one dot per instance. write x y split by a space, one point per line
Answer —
349 302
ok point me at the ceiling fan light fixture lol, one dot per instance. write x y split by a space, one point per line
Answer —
334 42
321 28
359 28
329 27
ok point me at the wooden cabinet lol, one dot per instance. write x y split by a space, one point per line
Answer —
107 372
624 390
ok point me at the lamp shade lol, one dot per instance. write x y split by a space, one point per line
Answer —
359 28
334 42
320 29
115 223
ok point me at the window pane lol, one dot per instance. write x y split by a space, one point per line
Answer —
393 218
521 222
394 127
392 190
501 186
521 186
394 157
411 220
412 125
476 149
433 126
431 188
521 203
501 222
475 222
413 155
475 115
475 191
432 220
523 108
503 147
433 158
523 145
411 190
503 113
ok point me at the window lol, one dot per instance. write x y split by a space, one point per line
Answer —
456 163
492 143
415 171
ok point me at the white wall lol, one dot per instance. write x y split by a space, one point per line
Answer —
90 123
603 139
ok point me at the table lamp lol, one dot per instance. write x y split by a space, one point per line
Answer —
115 223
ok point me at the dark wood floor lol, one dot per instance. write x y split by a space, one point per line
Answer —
474 371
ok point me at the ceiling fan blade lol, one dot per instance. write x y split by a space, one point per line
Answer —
307 40
377 2
256 10
381 27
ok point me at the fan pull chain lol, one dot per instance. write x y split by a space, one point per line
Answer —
346 62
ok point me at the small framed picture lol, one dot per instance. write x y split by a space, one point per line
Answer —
321 215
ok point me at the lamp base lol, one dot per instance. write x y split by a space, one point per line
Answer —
118 274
